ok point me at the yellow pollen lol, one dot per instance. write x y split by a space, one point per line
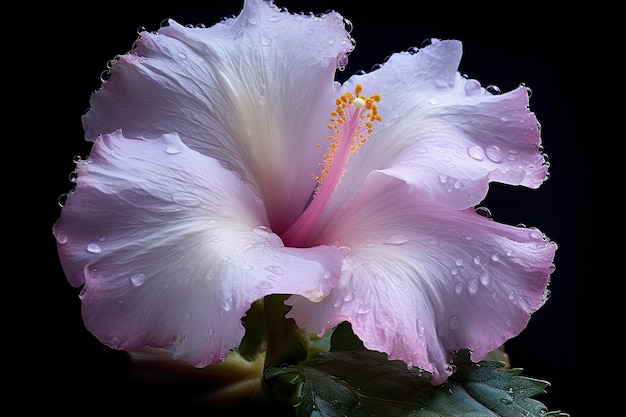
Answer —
352 120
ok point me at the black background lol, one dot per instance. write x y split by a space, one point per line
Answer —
62 370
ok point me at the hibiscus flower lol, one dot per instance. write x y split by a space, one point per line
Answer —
214 180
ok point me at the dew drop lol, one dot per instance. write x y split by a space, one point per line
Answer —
493 89
62 199
472 88
396 240
115 343
344 251
264 285
495 257
363 308
453 322
484 278
227 303
349 296
536 235
274 269
483 211
476 152
261 230
458 288
62 238
173 148
93 272
459 262
138 279
94 248
472 286
493 153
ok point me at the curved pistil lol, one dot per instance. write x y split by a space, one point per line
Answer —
351 124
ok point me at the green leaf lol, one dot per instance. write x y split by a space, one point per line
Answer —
362 383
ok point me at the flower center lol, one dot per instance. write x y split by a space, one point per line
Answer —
351 124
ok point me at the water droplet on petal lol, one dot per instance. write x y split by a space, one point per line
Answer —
363 308
396 240
62 238
453 322
483 211
494 154
264 285
138 279
62 199
472 286
344 251
275 269
476 152
484 278
493 89
261 230
94 248
434 101
227 303
173 148
472 88
349 296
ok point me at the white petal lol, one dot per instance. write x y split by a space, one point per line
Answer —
172 249
253 91
420 280
444 134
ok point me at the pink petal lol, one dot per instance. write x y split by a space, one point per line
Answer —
445 134
172 249
420 280
254 91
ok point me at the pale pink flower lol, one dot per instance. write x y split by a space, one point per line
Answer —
190 205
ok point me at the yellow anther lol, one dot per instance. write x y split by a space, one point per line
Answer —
352 120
